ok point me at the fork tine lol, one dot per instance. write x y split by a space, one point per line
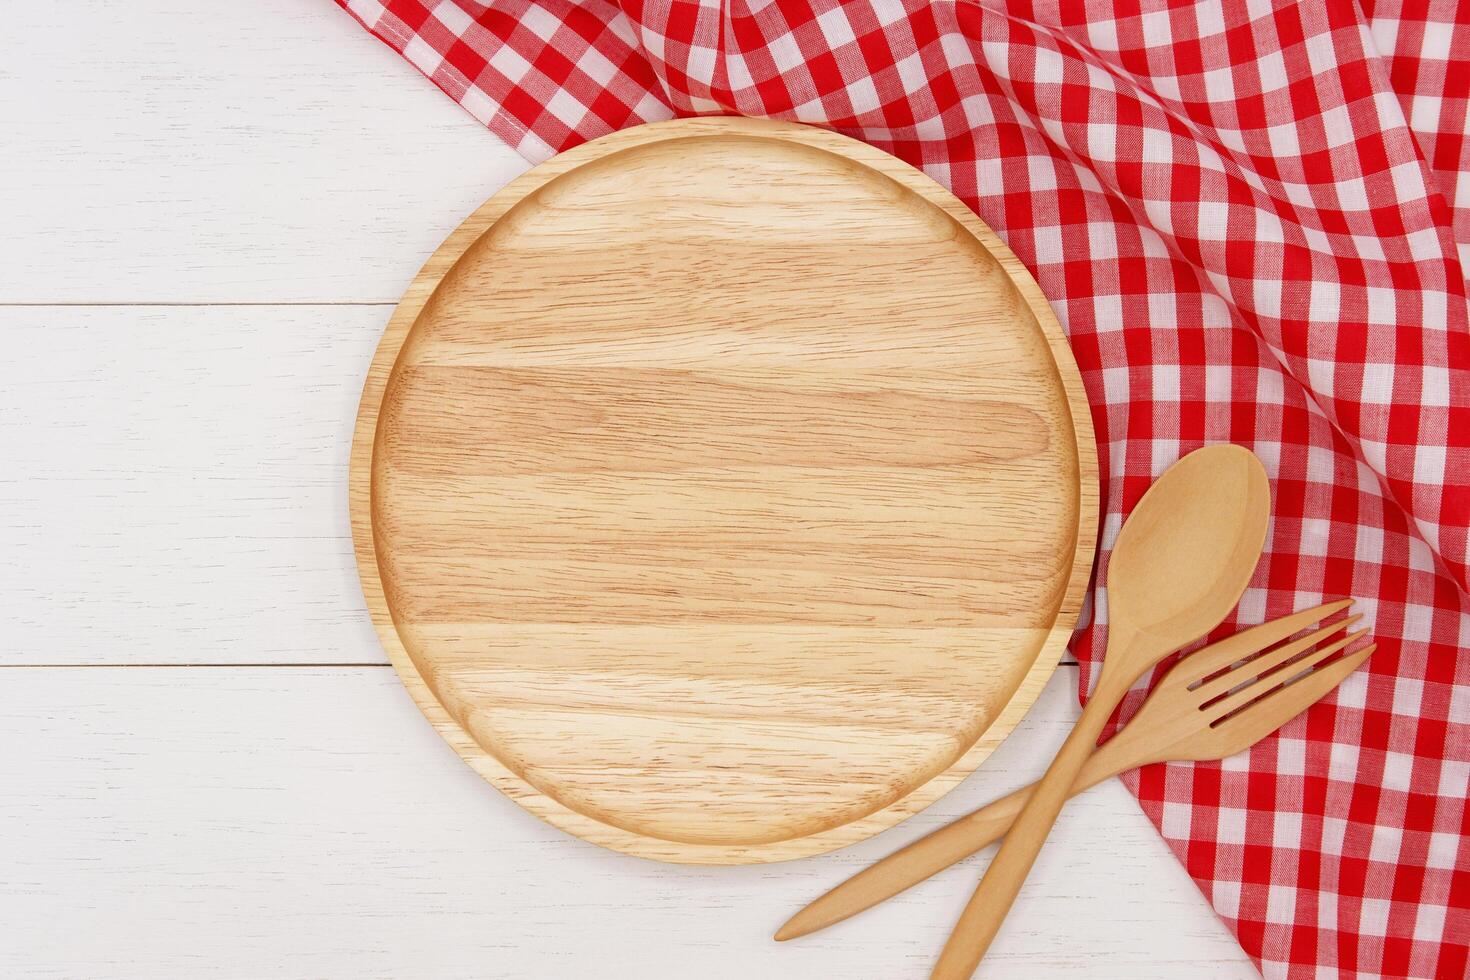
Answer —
1275 708
1259 666
1218 656
1265 683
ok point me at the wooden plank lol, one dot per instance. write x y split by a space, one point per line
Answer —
271 151
175 484
306 822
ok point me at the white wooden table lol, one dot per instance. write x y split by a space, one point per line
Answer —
206 767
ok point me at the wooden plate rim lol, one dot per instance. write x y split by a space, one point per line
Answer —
360 480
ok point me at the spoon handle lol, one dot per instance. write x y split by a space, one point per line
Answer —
946 846
987 909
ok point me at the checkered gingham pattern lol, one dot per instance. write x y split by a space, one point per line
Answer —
1252 219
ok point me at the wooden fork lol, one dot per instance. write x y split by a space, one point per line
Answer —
1215 702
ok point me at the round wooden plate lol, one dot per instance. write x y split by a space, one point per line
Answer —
724 491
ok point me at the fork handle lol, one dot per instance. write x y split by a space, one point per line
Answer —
946 846
987 909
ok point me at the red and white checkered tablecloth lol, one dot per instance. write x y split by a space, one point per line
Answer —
1253 220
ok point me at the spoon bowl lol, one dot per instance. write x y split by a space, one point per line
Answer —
1185 555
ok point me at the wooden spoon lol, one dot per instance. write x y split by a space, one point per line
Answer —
1179 566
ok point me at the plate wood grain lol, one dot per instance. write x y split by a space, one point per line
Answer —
724 491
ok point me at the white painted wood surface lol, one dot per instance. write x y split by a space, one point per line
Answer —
223 152
176 484
207 211
245 822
